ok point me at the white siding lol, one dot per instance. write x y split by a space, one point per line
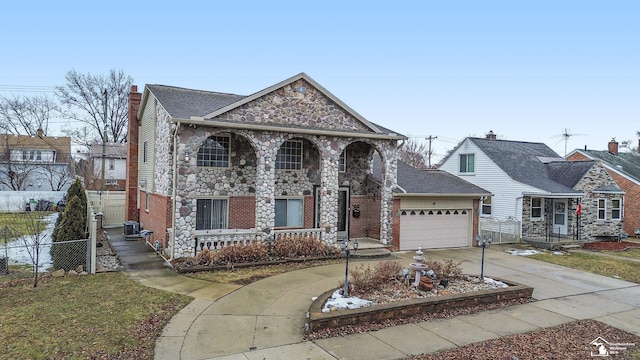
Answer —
507 199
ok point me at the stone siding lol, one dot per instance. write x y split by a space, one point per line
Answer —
252 171
591 227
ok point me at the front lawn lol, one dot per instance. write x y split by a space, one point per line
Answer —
630 253
79 317
597 264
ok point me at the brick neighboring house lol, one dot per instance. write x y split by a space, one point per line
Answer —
538 188
35 163
289 159
624 168
115 167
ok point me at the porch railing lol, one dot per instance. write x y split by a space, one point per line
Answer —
217 239
314 233
548 232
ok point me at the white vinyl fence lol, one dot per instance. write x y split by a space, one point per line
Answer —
111 204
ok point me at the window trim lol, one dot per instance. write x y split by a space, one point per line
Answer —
287 199
144 151
619 209
289 160
342 161
466 167
483 205
147 201
602 209
215 155
212 199
541 207
112 164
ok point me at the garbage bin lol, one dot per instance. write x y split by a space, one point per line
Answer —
99 217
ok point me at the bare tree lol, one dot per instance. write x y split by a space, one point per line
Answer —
14 174
414 154
58 176
22 115
83 99
35 230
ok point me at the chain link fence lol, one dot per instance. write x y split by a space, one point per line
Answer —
47 256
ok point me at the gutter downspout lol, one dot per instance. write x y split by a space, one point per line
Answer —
173 190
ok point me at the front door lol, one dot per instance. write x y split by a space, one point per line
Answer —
342 211
560 216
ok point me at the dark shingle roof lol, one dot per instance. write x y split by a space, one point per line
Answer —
529 163
569 173
183 103
625 162
432 182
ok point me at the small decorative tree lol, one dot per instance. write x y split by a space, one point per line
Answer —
68 256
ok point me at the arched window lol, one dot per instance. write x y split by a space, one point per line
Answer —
214 152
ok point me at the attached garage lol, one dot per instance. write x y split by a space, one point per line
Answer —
434 228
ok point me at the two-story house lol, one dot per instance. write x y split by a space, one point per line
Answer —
539 189
207 169
35 163
112 157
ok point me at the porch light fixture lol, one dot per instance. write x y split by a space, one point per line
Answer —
347 252
484 242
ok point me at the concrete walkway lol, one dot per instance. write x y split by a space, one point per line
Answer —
265 320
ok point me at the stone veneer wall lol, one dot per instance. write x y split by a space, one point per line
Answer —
591 227
164 156
292 109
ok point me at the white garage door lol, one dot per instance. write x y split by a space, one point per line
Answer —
432 229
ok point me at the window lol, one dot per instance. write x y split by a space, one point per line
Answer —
536 208
616 209
146 201
467 163
144 152
486 206
214 152
112 164
211 214
342 161
602 209
289 212
289 155
31 155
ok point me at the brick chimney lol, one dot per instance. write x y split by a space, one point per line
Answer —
490 135
131 202
613 147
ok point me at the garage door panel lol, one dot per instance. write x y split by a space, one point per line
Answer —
434 229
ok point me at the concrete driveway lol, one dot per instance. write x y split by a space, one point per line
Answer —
265 320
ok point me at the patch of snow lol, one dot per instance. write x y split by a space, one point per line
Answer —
495 283
337 301
558 253
523 252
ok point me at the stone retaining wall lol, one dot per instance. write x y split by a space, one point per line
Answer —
317 320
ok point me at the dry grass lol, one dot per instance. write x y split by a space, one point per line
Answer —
594 263
630 253
104 316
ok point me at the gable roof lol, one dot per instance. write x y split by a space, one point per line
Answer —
201 107
625 163
111 150
534 164
60 144
416 181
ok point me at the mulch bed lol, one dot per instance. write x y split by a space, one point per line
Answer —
610 245
567 341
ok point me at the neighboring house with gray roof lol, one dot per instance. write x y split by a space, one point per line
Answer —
208 169
113 157
536 187
624 168
433 209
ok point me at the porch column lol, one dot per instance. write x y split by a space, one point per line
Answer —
329 188
386 201
265 187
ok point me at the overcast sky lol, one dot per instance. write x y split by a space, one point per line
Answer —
528 70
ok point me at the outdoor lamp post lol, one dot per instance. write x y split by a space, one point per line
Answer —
347 252
484 242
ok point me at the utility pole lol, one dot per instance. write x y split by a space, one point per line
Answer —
430 140
105 138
